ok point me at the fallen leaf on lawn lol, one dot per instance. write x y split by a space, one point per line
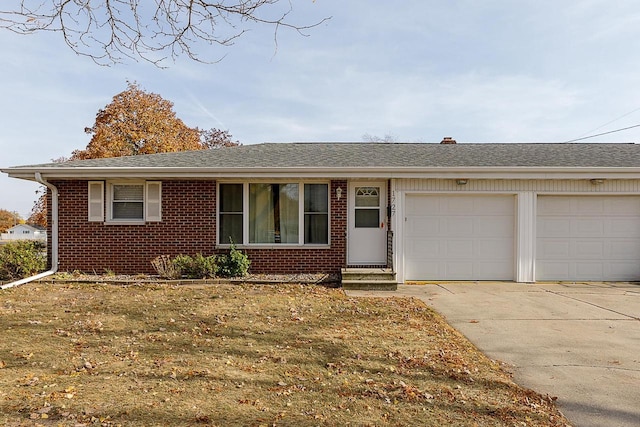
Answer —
29 380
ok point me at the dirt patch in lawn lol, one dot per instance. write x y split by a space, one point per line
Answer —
251 355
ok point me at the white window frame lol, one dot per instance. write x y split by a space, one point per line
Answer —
301 215
147 216
220 213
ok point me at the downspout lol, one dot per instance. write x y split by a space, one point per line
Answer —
54 237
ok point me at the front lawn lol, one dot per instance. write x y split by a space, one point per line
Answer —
247 355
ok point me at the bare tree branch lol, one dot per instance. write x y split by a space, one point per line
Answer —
112 31
388 138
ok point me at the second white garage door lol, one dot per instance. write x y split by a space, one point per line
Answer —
459 237
588 238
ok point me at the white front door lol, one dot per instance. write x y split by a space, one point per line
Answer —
367 239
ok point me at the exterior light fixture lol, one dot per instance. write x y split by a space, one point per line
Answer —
338 193
597 181
462 181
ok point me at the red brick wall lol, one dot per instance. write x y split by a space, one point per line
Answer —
188 226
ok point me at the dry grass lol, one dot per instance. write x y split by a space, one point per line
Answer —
285 355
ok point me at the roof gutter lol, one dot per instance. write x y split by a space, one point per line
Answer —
54 237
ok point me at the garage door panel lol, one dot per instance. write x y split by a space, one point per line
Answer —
555 227
589 206
588 227
589 269
494 226
555 205
421 226
498 206
588 238
456 226
491 249
467 237
419 247
622 206
489 268
424 269
456 206
589 249
460 269
458 249
622 227
623 270
625 250
553 248
555 269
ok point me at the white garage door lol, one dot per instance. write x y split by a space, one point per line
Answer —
459 237
588 238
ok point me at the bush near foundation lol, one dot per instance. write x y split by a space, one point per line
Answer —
197 267
234 264
22 259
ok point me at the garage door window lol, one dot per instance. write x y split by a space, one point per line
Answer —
367 207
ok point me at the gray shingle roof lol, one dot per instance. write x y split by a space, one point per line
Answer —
379 155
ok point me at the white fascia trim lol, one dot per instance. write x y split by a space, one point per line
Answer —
335 172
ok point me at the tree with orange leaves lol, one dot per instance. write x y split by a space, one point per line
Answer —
8 219
138 122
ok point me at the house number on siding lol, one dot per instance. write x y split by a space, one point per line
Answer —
393 203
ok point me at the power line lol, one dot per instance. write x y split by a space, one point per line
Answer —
609 122
604 133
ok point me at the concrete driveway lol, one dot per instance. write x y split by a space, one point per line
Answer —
579 342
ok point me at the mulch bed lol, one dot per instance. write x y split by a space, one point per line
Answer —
330 280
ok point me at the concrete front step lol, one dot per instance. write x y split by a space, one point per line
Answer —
368 274
370 285
369 279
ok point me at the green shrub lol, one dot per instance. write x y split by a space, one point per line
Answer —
22 259
197 267
235 264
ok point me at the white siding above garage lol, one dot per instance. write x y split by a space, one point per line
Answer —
546 186
588 238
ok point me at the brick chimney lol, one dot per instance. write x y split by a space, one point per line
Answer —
448 140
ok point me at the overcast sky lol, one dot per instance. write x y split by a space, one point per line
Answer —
491 71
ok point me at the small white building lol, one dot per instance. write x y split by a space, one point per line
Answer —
25 232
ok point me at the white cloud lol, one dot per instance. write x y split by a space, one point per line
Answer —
490 71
